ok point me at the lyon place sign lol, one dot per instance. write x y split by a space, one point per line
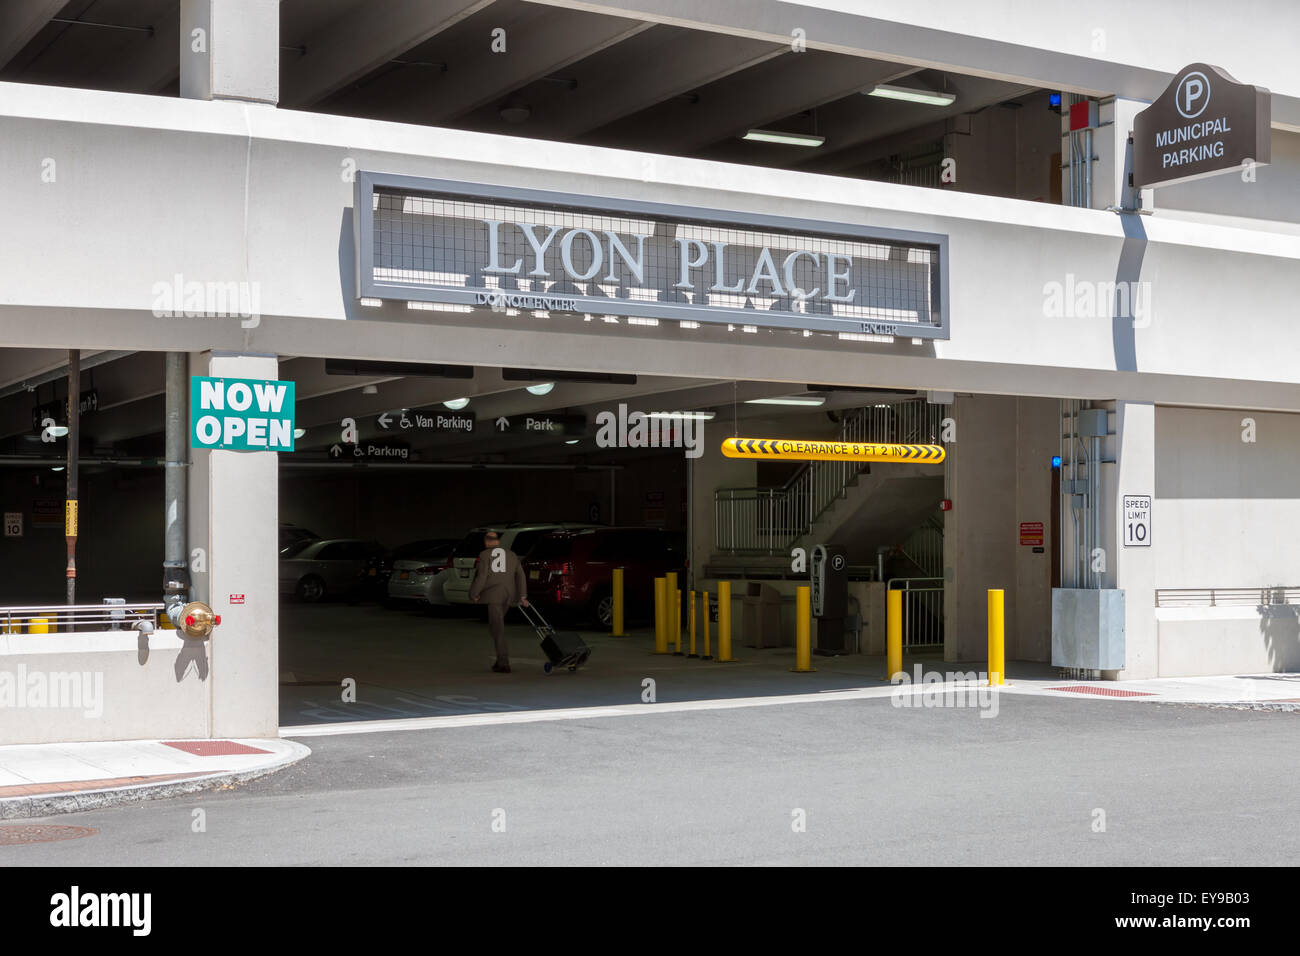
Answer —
500 248
1203 124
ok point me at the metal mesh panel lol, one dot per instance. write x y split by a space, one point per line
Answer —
569 258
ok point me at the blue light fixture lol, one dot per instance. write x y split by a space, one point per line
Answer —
1056 461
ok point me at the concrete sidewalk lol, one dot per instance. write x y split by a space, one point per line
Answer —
40 779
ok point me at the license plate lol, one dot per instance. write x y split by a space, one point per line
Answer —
404 575
534 575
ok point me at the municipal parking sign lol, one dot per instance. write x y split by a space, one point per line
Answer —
1137 521
241 414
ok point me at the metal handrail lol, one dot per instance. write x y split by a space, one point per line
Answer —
922 607
78 617
1227 597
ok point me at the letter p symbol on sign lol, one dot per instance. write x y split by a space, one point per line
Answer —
1193 95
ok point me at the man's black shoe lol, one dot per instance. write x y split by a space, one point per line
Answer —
501 668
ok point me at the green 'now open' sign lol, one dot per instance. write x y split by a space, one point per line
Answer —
241 414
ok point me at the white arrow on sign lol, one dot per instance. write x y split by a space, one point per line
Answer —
503 423
336 451
384 420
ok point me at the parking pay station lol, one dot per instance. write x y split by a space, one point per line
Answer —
830 596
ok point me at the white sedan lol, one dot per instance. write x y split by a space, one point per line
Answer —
420 577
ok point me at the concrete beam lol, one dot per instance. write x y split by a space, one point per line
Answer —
347 49
683 62
230 50
542 45
20 20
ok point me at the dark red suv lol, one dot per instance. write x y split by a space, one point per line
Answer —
572 572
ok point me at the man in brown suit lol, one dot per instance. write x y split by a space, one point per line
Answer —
499 582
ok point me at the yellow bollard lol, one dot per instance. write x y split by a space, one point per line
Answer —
724 623
997 624
708 652
617 630
692 618
661 616
802 629
38 625
893 633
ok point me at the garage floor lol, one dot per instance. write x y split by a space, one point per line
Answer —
412 664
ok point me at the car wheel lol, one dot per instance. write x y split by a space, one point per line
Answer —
602 610
310 589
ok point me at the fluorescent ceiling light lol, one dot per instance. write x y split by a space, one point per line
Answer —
58 431
299 432
57 468
456 403
912 95
679 416
370 390
786 139
543 389
572 441
805 400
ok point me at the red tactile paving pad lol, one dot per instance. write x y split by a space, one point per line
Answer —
1102 691
213 748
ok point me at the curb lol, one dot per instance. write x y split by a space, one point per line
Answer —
40 805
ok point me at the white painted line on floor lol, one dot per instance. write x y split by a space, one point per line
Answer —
586 713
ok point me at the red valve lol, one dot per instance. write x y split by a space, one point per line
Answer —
189 620
217 619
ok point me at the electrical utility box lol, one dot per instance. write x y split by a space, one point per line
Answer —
829 570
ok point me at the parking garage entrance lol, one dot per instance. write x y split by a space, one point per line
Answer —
401 472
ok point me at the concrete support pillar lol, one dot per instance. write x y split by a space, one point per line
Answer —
1114 157
230 50
242 534
1133 569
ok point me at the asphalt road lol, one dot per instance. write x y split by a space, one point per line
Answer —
877 784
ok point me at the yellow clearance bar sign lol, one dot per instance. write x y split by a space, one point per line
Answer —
792 449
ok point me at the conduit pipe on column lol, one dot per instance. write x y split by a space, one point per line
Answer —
176 586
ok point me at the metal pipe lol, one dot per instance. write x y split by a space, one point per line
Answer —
176 487
1087 167
74 446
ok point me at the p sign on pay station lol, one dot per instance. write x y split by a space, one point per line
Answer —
241 414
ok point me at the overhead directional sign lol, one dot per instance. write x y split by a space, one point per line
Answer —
434 420
371 451
543 424
241 414
793 449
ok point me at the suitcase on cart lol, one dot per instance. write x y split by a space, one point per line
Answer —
563 648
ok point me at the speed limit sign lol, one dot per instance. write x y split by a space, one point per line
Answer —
1137 521
13 524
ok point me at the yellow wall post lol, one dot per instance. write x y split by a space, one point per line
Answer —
724 622
661 616
803 629
997 635
38 625
692 619
617 630
893 633
708 652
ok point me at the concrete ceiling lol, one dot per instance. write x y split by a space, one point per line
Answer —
575 75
